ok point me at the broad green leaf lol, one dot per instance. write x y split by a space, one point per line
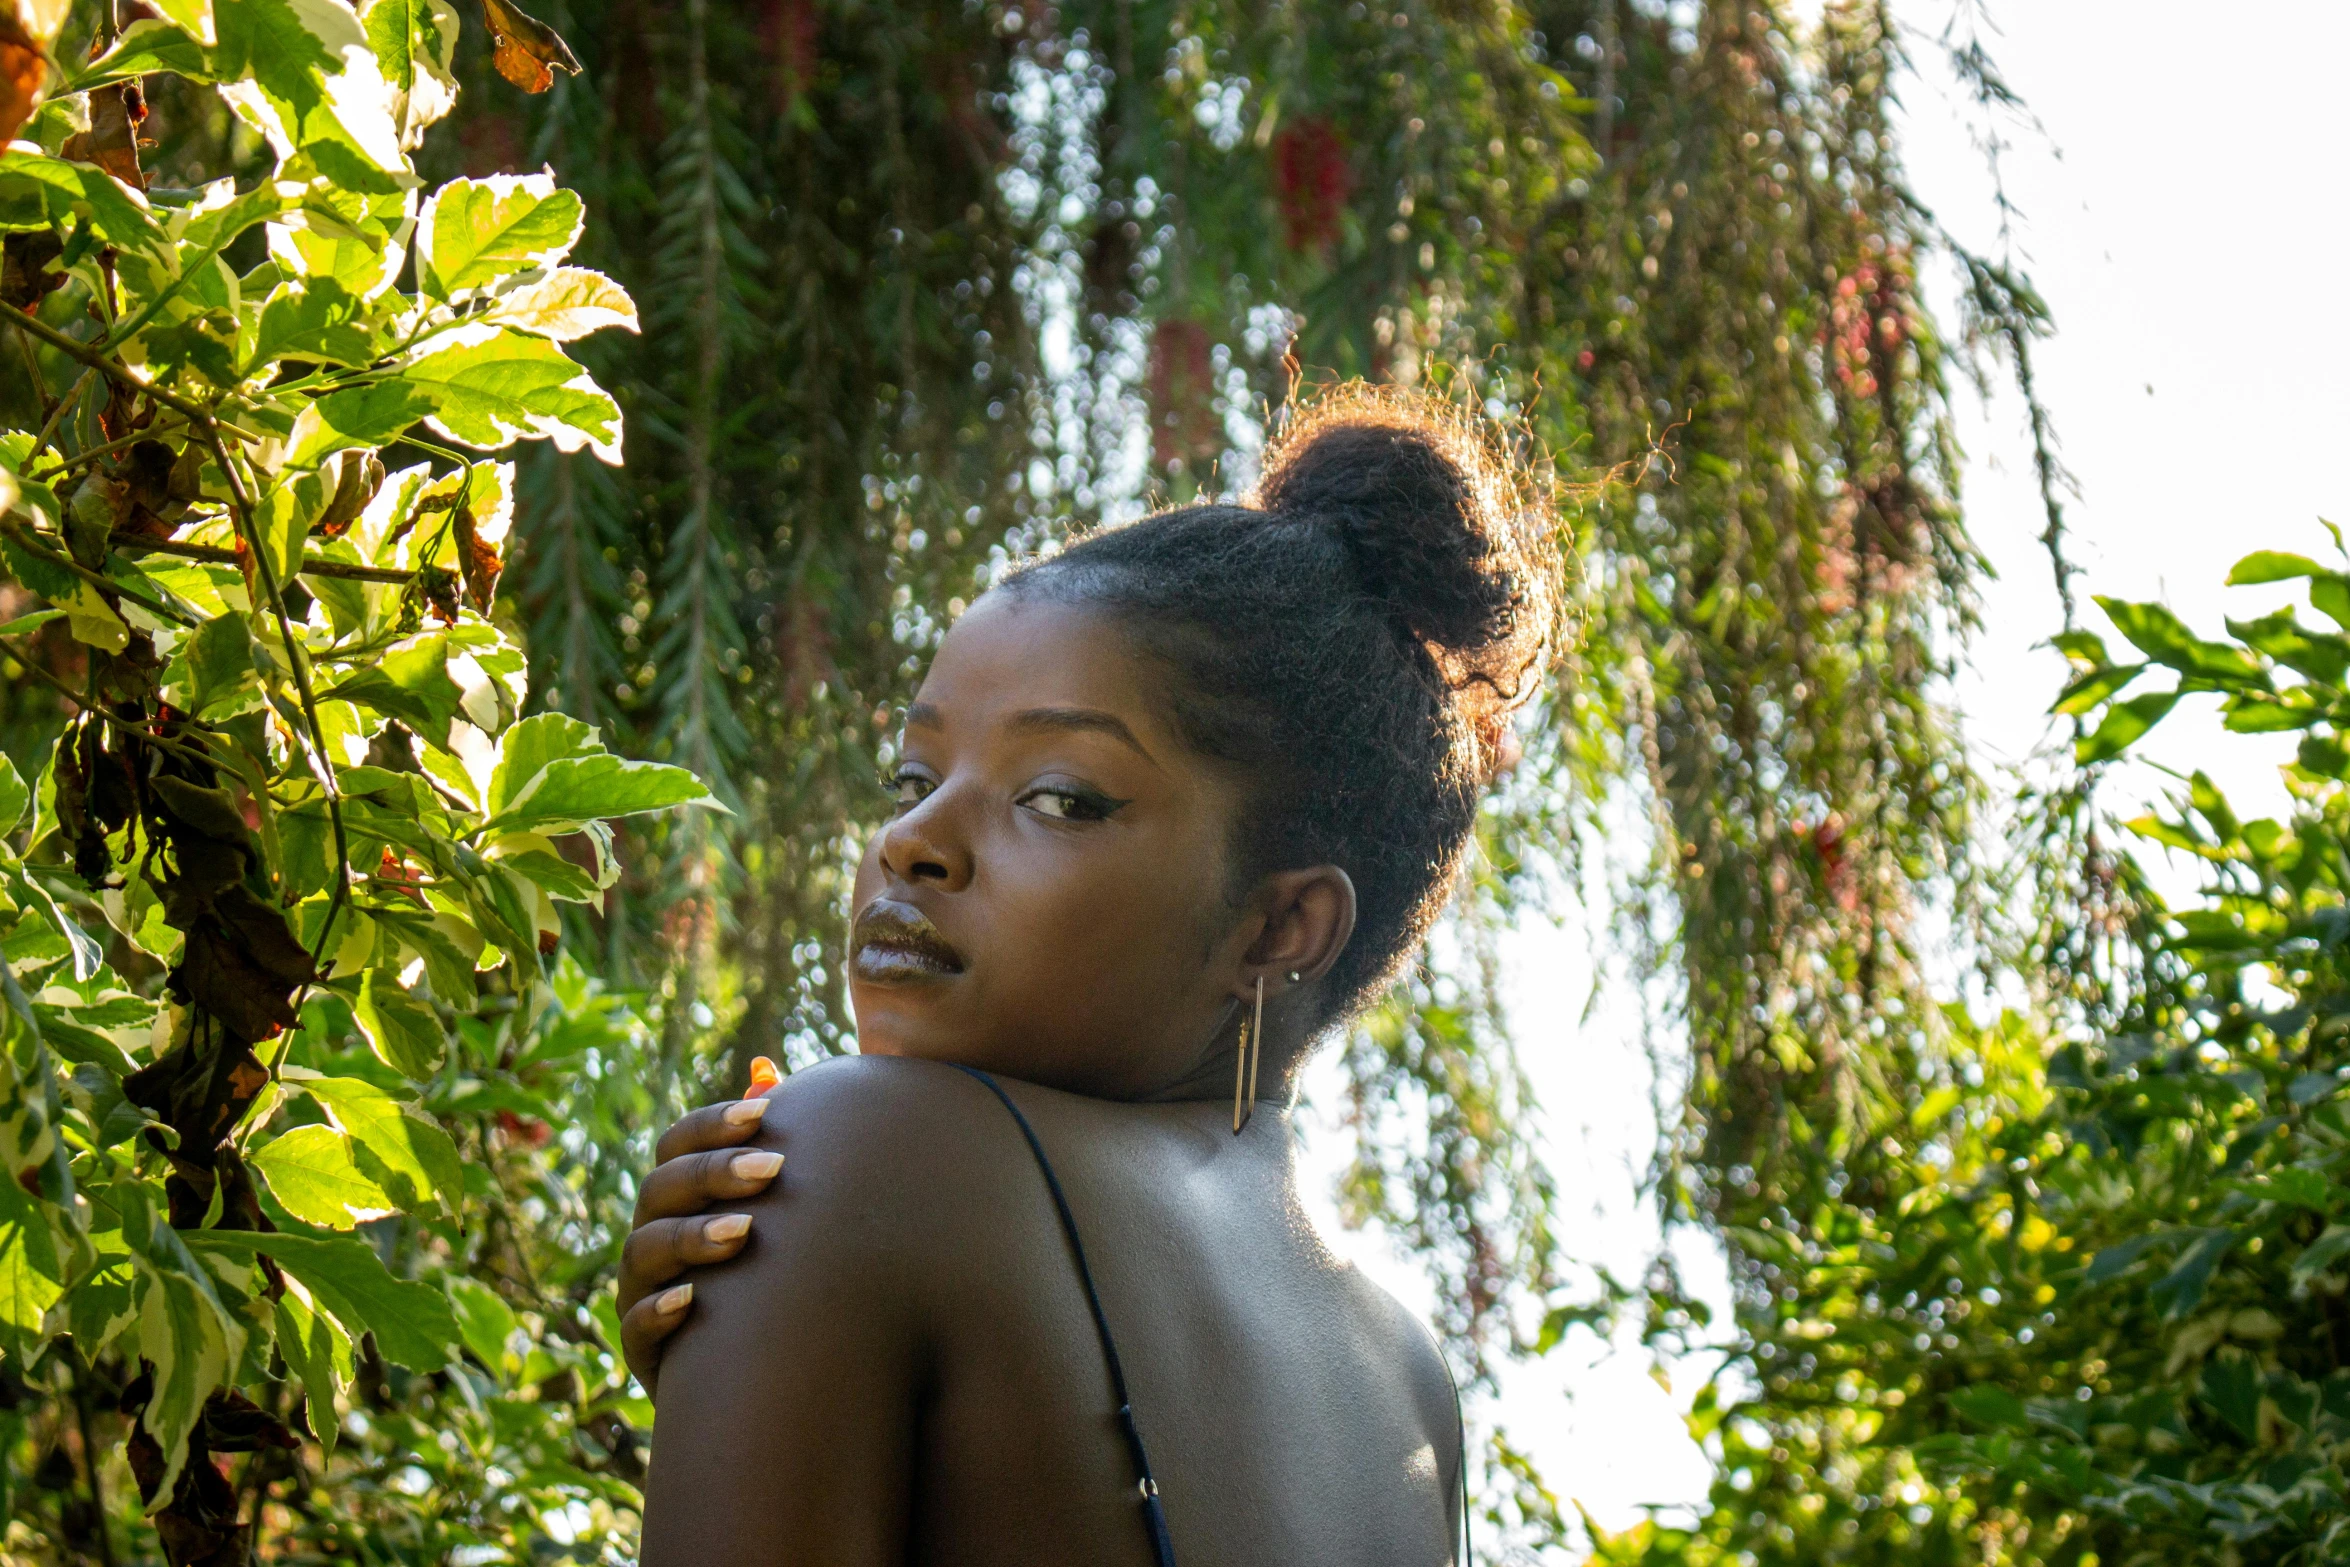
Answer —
301 73
474 232
486 1321
319 1354
363 416
2322 1253
568 303
2093 688
2164 638
415 43
2180 1291
554 774
313 319
400 1026
313 1171
214 670
407 1145
2272 566
146 47
1990 1405
190 1339
15 795
411 684
494 386
412 1323
38 192
2124 723
31 1278
193 17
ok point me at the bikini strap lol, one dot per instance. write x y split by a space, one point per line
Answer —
1154 1516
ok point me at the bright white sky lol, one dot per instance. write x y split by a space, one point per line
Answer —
2184 213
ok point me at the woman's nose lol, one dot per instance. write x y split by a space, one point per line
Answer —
924 846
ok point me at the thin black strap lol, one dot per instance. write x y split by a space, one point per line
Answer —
1154 1516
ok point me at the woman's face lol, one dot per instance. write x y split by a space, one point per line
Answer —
1050 899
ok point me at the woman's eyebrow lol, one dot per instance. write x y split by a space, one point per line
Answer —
1089 719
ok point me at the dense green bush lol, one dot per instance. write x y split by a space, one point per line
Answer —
284 1034
2096 1310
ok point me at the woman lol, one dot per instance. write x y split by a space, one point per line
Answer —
1171 805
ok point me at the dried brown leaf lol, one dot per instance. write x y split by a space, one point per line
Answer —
526 51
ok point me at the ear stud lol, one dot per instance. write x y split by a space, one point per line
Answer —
1295 978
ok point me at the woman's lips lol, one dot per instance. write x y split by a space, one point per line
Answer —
893 941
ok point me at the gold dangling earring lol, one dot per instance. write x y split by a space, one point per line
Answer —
1244 1064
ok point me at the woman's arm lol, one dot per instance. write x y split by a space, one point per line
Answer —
788 1404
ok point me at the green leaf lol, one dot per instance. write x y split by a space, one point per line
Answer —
412 1323
554 774
214 667
2322 1253
372 415
2164 638
2084 647
15 795
411 684
314 1171
2180 1291
494 386
415 43
1988 1404
411 1157
315 319
188 1336
2124 723
30 1276
401 1027
486 1321
2232 1386
2272 566
301 73
146 47
1934 1107
39 192
474 232
2094 687
318 1352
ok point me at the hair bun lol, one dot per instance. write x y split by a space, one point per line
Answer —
1443 529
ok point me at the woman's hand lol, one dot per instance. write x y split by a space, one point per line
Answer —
695 1165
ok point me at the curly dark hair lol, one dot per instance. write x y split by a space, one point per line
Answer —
1350 642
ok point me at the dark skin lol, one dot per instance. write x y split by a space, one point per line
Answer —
892 1361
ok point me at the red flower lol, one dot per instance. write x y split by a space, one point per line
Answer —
1312 180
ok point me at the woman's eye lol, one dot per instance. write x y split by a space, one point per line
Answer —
1069 805
909 789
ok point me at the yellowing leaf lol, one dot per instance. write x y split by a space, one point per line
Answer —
494 386
567 303
311 1170
474 232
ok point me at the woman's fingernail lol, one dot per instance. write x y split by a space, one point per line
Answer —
674 1300
728 1227
755 1166
745 1111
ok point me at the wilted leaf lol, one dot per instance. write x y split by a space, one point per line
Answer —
22 71
526 51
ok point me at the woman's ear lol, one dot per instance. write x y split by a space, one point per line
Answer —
1309 916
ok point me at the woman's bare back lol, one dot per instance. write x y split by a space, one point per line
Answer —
910 1342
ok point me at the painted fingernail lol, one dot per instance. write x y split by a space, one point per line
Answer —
674 1300
728 1227
755 1166
744 1111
